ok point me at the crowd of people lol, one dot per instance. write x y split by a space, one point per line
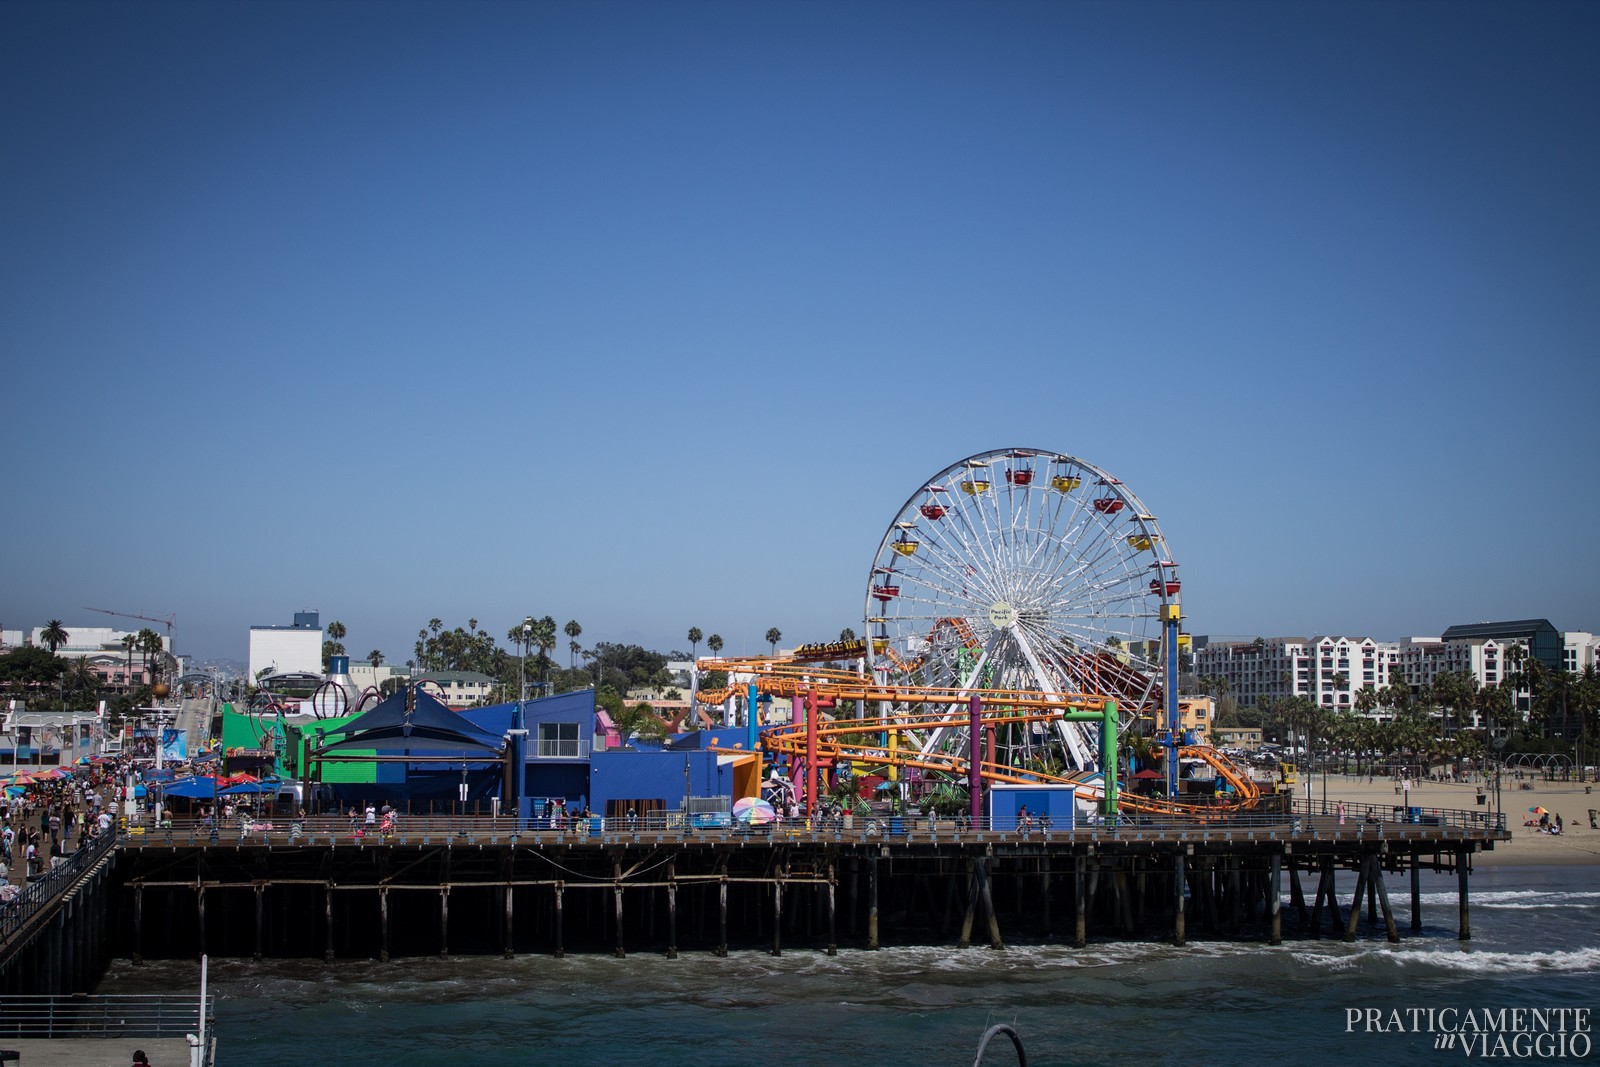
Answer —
43 819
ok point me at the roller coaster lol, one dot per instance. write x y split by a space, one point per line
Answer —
918 713
1020 596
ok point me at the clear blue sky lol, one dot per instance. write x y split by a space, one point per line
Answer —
652 314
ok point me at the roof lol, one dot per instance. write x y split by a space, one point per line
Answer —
1517 628
427 727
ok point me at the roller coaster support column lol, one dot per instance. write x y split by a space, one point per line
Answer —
750 706
811 753
1108 743
1170 616
974 764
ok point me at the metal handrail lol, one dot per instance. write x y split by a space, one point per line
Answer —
121 1015
1284 820
42 890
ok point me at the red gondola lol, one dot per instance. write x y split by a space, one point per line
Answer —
1171 588
1109 505
932 511
886 593
1020 476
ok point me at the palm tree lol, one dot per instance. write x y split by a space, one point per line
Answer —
150 645
714 643
128 643
695 637
336 630
572 630
436 625
774 635
81 676
375 658
53 635
847 634
544 636
472 625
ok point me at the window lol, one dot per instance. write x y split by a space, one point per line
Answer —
559 739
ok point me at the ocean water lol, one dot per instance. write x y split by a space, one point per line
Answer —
1536 945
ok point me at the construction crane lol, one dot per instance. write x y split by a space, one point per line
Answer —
167 620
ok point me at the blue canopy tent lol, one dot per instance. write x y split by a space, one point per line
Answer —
190 788
434 743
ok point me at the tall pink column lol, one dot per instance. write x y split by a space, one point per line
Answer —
797 713
974 764
811 752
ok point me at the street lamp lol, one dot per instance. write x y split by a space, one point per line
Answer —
522 664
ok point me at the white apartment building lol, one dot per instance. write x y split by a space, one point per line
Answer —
1329 670
1578 651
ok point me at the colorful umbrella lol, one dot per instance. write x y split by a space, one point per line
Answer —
753 810
1539 811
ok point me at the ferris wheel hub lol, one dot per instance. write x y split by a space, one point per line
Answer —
1002 616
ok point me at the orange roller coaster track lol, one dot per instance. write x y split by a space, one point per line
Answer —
837 738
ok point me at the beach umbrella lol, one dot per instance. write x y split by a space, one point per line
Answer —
1536 810
753 810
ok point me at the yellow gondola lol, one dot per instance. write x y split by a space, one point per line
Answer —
1066 483
1143 542
974 486
906 548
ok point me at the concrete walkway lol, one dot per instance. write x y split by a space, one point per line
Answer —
97 1052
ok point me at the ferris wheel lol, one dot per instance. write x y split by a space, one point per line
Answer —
1024 569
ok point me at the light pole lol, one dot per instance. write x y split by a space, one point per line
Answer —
522 664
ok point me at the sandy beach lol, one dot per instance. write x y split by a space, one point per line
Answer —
1578 844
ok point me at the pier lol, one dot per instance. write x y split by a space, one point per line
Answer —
483 886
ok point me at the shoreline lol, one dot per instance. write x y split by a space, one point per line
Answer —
1577 846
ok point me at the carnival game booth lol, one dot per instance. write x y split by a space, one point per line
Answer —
425 756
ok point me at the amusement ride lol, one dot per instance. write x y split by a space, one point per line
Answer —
1022 621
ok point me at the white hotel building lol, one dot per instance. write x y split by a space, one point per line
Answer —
1277 667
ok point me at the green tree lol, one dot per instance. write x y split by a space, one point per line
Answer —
28 668
53 635
336 630
774 635
847 634
695 637
714 643
375 658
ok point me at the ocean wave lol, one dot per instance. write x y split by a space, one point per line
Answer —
1464 961
1517 897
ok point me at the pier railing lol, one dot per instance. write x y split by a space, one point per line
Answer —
130 1016
1276 818
42 890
